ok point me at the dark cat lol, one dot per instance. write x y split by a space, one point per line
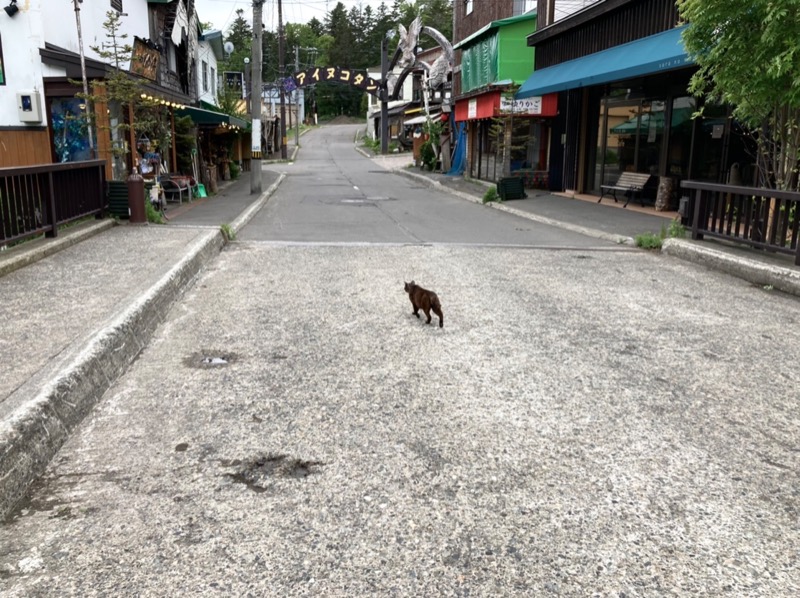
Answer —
425 300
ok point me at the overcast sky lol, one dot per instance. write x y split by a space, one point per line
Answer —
221 13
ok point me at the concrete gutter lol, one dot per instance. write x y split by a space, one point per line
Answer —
783 279
34 431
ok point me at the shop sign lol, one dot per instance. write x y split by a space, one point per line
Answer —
472 108
508 105
234 81
144 60
255 147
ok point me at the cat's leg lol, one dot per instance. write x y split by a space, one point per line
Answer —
427 311
416 309
438 312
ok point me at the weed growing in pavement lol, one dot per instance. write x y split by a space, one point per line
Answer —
648 241
490 195
153 214
654 241
227 232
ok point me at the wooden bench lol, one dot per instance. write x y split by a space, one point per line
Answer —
631 183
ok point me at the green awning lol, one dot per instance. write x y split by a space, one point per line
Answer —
201 116
654 54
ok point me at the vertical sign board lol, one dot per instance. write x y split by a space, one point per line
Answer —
234 81
255 148
472 108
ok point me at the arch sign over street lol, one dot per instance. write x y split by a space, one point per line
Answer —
335 74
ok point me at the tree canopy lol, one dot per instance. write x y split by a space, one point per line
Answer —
346 38
748 54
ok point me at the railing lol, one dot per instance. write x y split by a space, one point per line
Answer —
34 200
763 218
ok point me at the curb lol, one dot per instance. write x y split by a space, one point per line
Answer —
783 279
589 232
47 247
35 431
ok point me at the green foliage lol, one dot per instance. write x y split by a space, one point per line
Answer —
185 143
654 241
648 241
153 215
235 170
428 155
227 232
491 195
676 230
747 51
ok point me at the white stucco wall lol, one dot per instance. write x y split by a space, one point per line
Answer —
53 21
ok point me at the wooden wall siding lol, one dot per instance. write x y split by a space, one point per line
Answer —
627 23
24 147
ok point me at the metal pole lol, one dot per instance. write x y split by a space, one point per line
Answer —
384 97
297 99
85 81
255 101
281 69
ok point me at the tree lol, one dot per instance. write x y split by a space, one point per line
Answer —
122 92
748 55
240 34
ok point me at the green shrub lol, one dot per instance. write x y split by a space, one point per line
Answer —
235 170
153 215
676 230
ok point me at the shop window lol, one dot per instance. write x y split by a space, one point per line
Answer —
70 131
205 76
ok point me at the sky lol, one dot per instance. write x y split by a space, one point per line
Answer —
221 13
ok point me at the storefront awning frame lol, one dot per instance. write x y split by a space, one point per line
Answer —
201 116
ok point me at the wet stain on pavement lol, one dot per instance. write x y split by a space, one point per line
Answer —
257 473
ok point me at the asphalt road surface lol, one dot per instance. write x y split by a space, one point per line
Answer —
588 422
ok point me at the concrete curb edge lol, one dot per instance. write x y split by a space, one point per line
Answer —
247 215
589 232
51 246
783 279
30 438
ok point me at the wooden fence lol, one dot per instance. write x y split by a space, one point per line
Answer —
35 200
763 218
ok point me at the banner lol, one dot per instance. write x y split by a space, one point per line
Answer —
255 148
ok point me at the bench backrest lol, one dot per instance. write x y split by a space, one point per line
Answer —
633 179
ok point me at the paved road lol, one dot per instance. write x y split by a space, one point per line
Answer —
587 423
335 194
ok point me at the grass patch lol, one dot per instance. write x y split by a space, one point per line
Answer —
654 241
227 232
491 195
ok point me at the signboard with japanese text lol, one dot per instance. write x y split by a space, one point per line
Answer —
234 80
319 74
528 106
144 60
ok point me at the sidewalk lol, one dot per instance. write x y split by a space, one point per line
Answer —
611 222
82 315
83 305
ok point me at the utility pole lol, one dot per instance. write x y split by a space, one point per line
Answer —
281 74
255 101
85 81
297 99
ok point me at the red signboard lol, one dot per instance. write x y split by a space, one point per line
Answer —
488 105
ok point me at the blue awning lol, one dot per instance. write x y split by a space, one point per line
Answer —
655 54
